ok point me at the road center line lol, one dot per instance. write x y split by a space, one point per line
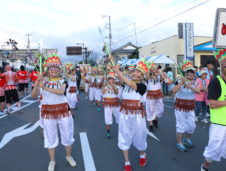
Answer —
86 152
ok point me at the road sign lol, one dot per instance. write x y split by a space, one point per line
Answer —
219 37
74 50
188 41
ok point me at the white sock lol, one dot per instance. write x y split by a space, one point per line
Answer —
143 155
127 163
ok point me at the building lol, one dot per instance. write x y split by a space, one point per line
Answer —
173 47
16 58
124 51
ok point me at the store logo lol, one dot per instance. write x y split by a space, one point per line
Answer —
223 30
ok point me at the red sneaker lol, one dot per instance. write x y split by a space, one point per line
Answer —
142 162
127 168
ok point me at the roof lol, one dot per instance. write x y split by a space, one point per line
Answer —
125 49
208 46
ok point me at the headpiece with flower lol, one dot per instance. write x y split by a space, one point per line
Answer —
53 60
187 65
143 66
220 54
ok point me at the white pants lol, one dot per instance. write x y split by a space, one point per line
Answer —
66 127
108 112
120 90
86 87
154 109
98 94
185 122
72 99
91 93
132 129
216 148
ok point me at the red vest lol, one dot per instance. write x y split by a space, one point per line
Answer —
22 75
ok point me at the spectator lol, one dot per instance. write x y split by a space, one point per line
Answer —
196 72
2 92
200 99
78 73
164 84
200 69
209 68
170 81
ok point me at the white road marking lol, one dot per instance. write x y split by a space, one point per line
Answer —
152 135
14 108
27 101
86 152
168 100
18 132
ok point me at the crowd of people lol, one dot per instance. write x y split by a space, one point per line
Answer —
133 95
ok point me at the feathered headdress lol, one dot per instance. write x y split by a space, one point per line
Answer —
111 74
131 67
220 54
187 65
53 60
143 66
69 66
153 65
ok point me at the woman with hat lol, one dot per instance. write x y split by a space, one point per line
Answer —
185 90
132 124
110 101
55 110
201 98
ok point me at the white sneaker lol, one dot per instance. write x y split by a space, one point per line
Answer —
207 115
205 121
51 166
71 161
196 119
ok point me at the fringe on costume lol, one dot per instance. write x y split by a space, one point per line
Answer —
154 94
132 106
110 102
56 111
72 89
184 105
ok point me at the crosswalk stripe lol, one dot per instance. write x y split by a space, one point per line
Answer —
86 152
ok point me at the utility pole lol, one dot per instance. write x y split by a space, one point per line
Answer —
110 34
135 33
28 47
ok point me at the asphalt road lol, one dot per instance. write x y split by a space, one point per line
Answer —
21 148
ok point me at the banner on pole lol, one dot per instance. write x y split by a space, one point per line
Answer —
188 41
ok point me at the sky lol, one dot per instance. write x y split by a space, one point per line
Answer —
61 23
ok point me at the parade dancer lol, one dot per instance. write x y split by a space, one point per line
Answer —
55 110
87 74
98 88
2 92
72 90
154 102
11 93
92 83
216 148
185 90
33 76
23 77
110 102
132 124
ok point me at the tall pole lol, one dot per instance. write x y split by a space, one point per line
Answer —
110 35
135 31
28 47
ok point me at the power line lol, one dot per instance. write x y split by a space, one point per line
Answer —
180 13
